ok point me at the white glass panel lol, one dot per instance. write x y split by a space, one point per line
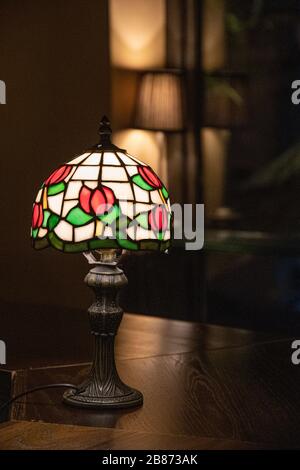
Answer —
84 233
143 234
55 203
42 232
127 208
107 231
70 174
91 184
64 231
68 206
156 198
73 189
121 190
167 235
86 173
131 231
139 207
79 159
169 205
93 159
113 173
132 170
110 159
134 160
140 194
39 195
126 160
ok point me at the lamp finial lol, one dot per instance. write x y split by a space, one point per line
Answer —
105 130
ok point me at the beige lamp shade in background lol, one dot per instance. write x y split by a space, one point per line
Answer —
159 103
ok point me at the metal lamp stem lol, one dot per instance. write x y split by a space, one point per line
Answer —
103 387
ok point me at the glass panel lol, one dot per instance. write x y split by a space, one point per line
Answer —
111 216
156 197
68 206
127 244
140 207
56 188
91 184
106 243
140 194
134 159
126 159
93 159
64 231
131 170
86 173
73 189
55 203
77 248
55 241
110 159
84 233
42 232
143 234
99 228
121 190
127 208
108 232
46 217
79 159
39 195
113 173
77 217
137 179
53 221
39 244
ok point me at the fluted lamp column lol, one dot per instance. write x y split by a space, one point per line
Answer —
99 203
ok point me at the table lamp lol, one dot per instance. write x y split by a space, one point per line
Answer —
99 203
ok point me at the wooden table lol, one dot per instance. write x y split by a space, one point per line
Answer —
204 387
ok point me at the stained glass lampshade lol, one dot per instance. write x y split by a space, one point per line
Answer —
100 202
103 198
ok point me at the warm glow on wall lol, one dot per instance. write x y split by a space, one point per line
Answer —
137 33
213 35
214 147
150 146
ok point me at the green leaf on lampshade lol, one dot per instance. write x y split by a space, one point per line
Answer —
56 188
138 180
53 221
165 192
45 218
34 232
111 216
142 220
78 217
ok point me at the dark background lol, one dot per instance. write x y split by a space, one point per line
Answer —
54 58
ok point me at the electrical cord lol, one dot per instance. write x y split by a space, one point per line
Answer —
35 389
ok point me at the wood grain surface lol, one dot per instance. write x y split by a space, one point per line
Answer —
203 385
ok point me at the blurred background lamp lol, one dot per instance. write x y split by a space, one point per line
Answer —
159 103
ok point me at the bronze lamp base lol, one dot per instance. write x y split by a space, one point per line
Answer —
103 387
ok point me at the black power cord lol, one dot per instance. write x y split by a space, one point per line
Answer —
35 389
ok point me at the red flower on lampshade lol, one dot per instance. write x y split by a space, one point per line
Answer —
58 175
150 177
97 201
37 215
158 218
